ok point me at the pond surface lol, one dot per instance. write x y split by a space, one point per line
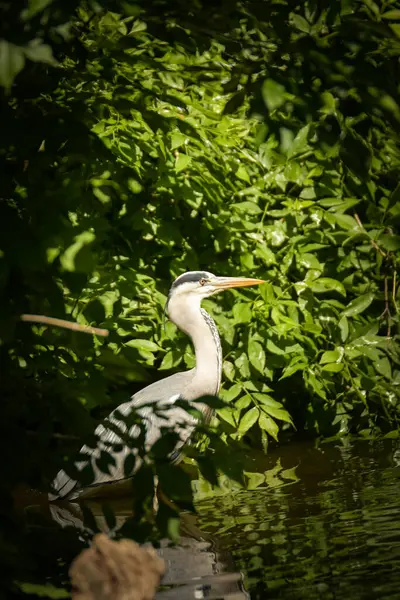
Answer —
333 534
321 522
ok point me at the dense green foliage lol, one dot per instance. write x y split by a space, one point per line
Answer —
142 140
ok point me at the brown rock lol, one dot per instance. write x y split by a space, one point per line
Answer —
111 570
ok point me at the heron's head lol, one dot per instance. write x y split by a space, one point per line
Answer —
196 285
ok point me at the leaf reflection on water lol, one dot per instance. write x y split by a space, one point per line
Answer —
333 534
315 522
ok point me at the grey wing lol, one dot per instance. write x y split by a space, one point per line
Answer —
161 393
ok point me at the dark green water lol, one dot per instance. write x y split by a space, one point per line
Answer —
333 534
321 522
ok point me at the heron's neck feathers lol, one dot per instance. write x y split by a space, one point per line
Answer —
187 314
217 349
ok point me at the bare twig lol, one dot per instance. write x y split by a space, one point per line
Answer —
56 436
65 324
386 312
394 292
375 245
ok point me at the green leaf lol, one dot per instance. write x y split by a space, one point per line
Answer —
242 173
300 142
243 402
274 349
34 7
182 162
267 292
331 356
232 393
171 359
247 207
256 355
309 261
226 414
315 385
228 369
389 242
45 590
248 420
344 221
143 345
36 51
273 94
358 305
242 312
300 23
333 367
12 61
242 363
384 368
177 140
266 255
277 413
291 369
326 284
393 14
356 154
267 400
69 259
344 328
138 25
267 424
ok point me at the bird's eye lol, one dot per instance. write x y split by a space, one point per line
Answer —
202 281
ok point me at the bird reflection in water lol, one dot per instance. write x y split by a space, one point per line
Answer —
195 568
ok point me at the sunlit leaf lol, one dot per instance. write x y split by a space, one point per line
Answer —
272 347
331 356
69 259
177 140
143 345
383 367
247 207
242 312
344 328
248 420
333 367
326 284
242 173
267 424
358 305
256 355
182 162
278 413
226 415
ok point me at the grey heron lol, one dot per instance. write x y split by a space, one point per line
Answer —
184 309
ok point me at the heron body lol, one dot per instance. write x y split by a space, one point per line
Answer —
184 309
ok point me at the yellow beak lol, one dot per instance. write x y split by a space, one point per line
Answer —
224 283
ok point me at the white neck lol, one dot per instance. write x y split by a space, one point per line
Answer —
186 313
